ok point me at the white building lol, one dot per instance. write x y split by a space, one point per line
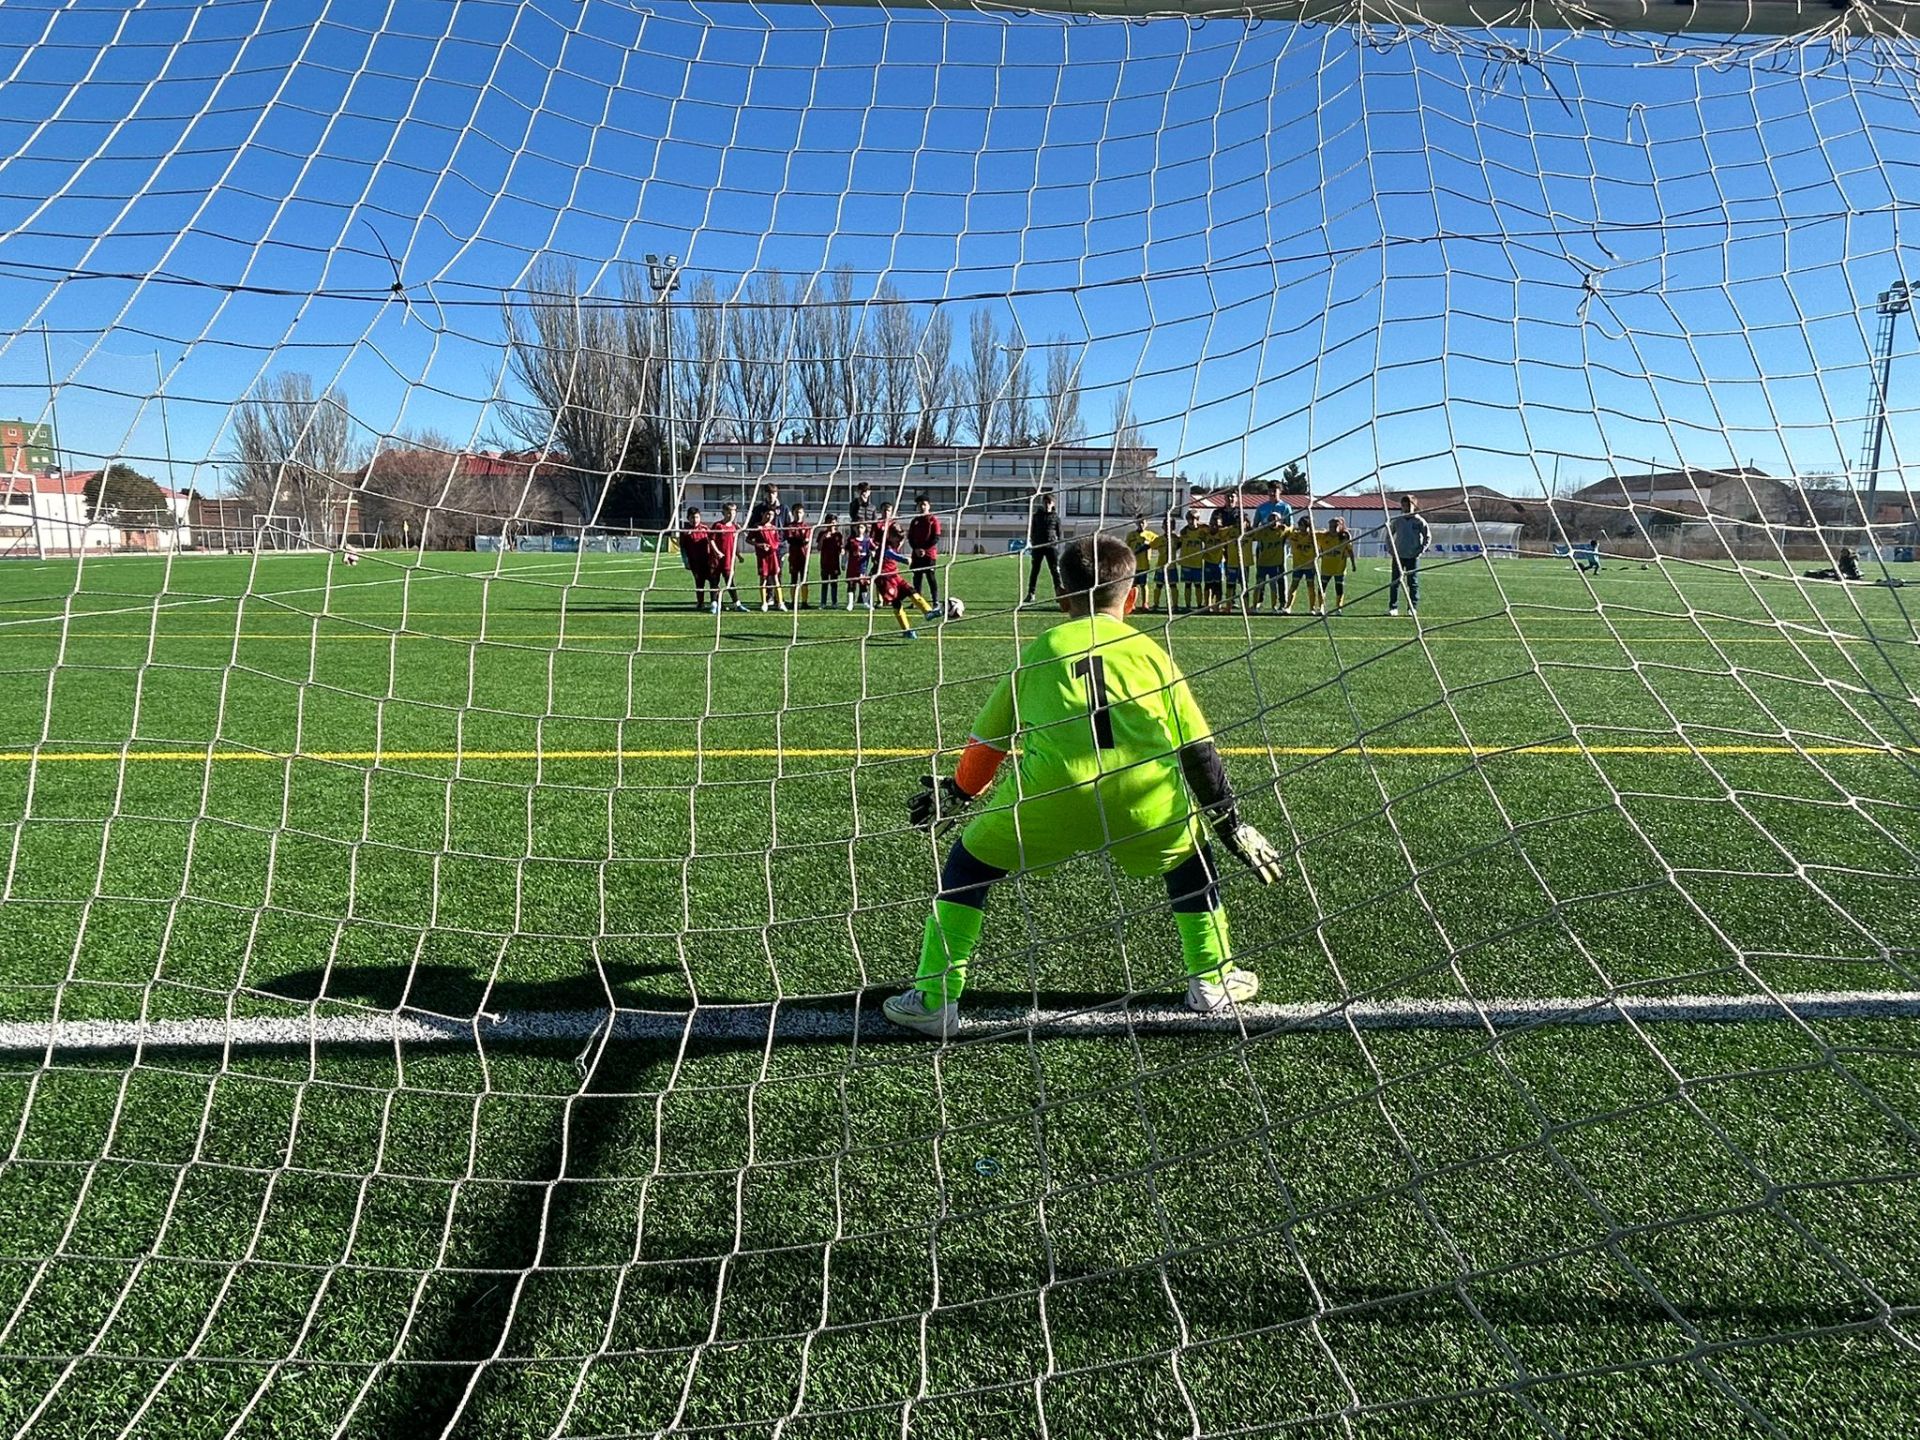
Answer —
48 515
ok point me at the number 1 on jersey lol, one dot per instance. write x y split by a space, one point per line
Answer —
1094 671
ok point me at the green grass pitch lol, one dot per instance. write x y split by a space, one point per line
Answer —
284 787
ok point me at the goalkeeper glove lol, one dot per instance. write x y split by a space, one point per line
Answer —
1251 849
939 804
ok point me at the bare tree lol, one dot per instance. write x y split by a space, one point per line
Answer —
1129 486
700 366
759 333
1016 406
935 381
588 368
824 350
291 450
894 357
1060 405
860 374
983 380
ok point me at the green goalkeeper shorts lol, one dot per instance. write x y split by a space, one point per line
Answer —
1045 830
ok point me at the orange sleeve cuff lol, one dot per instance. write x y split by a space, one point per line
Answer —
979 762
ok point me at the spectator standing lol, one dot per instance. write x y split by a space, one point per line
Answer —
1407 540
1043 544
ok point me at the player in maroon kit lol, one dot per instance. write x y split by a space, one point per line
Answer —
890 587
882 536
726 540
701 557
860 564
799 537
765 535
923 546
833 548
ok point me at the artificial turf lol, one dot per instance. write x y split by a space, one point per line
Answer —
274 786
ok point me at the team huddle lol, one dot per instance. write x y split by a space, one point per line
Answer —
866 556
1229 565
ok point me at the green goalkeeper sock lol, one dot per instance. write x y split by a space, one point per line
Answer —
945 948
1204 944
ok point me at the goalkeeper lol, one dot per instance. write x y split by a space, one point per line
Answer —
1112 747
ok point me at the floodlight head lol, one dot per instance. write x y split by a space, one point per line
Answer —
1896 299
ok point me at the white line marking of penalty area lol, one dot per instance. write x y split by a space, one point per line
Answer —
801 1021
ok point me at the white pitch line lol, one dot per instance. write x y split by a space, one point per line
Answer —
800 1021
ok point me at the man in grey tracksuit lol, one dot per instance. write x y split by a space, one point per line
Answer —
1407 540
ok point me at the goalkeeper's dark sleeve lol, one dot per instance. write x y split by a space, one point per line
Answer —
1207 778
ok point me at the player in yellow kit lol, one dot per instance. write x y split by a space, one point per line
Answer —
1114 755
1142 540
1270 560
1192 547
1303 564
1244 593
1336 555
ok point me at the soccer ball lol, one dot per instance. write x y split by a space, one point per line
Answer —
350 557
956 607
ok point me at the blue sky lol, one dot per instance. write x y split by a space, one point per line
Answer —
1276 240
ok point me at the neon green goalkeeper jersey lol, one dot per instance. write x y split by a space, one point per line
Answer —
1097 713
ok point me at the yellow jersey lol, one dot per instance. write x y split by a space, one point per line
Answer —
1193 546
1246 553
1336 553
1271 546
1143 543
1300 547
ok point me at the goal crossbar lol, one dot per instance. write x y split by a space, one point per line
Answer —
1664 17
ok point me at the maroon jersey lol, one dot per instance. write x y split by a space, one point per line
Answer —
799 540
923 537
726 542
832 546
885 536
766 549
697 550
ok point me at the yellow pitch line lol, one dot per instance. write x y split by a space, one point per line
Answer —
509 637
877 752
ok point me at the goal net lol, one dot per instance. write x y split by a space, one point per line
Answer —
441 980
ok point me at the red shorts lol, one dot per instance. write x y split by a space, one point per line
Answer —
769 566
856 565
892 589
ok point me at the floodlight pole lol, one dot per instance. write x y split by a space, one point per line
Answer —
1894 302
663 276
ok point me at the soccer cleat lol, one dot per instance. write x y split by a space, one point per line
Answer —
1214 991
765 606
912 1012
909 634
740 606
716 607
849 602
1393 610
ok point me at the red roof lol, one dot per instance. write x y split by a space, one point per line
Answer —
1352 502
73 482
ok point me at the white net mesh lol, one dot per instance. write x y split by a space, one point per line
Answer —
441 958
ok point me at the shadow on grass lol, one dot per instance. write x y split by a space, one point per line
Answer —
456 990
